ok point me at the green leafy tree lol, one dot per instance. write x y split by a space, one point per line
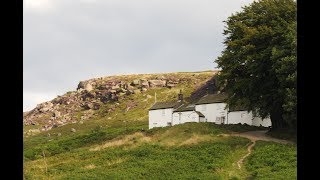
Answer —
258 64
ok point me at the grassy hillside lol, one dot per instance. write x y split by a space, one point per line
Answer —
118 145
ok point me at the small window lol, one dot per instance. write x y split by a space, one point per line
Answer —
169 124
204 107
163 112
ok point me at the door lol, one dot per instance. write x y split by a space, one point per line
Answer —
220 120
223 118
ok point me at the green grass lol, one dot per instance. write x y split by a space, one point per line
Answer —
286 134
165 156
272 161
207 160
240 127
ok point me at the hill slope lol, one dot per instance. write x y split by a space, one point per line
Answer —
100 132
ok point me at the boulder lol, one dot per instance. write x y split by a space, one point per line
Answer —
136 82
85 85
56 114
149 96
73 130
130 88
157 83
94 106
115 87
144 89
171 85
44 107
113 91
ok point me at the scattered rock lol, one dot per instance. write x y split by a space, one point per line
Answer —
73 130
144 83
59 134
171 85
56 114
115 87
34 130
157 83
94 106
135 82
144 89
149 96
113 91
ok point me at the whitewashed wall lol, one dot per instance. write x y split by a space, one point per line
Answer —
202 119
186 116
212 111
257 121
242 117
160 117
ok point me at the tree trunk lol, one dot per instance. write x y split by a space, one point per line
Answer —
276 118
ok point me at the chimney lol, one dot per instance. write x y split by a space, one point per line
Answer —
180 96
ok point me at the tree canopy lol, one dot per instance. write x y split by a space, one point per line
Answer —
258 64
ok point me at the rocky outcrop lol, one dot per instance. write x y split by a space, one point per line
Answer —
90 96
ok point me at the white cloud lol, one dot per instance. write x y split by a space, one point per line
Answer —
31 99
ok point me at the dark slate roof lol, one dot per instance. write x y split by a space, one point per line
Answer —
164 105
185 107
199 113
213 98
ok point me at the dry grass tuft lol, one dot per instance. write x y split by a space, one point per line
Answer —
136 138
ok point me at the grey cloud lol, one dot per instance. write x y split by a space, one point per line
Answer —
78 40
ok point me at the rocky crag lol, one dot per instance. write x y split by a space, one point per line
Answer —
91 94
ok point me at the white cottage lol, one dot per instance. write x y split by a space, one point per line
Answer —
160 114
187 113
214 109
210 108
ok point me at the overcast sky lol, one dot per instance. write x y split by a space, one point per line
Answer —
66 41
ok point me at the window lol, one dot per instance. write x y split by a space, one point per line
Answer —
169 124
163 112
204 107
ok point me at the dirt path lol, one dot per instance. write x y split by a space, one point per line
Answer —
243 157
260 135
254 136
